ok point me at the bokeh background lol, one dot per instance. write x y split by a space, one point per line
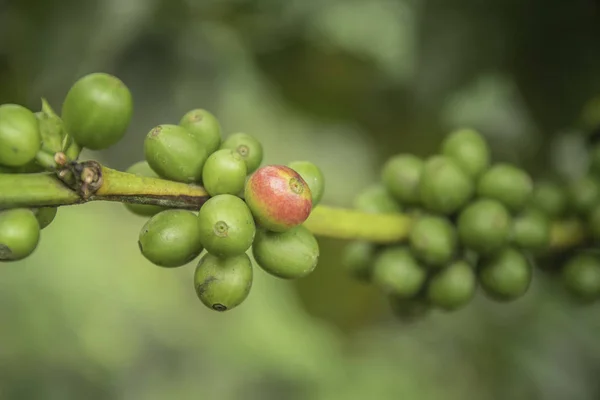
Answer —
345 84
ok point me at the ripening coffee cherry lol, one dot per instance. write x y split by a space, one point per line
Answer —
445 188
170 238
506 275
142 168
550 198
226 226
19 234
224 173
581 276
205 127
433 240
173 153
484 226
396 272
249 148
408 310
452 287
357 259
375 199
313 176
97 111
401 175
531 230
278 197
20 137
508 184
469 150
45 215
222 284
292 254
584 194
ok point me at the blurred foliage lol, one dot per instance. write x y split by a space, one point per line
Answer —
344 84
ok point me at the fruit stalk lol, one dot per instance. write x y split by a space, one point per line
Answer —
45 189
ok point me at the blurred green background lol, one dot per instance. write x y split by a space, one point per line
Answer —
345 84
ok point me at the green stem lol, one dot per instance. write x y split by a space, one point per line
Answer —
45 189
352 224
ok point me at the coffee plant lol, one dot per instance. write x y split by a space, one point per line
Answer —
430 234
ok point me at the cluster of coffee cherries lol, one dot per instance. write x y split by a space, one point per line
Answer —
250 208
474 223
247 207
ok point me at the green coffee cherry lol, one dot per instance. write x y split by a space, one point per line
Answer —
508 184
484 226
433 240
313 176
550 198
469 150
226 226
445 188
408 310
531 230
357 259
249 148
205 127
97 111
584 194
224 173
581 276
288 255
506 275
19 135
19 234
375 199
401 175
452 287
171 238
173 153
45 215
142 168
222 284
396 272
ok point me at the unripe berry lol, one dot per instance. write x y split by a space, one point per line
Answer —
397 273
452 287
506 275
484 226
291 254
433 240
19 234
223 283
20 137
581 277
97 111
508 184
205 127
470 151
248 147
173 153
313 176
278 197
376 199
445 188
401 175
